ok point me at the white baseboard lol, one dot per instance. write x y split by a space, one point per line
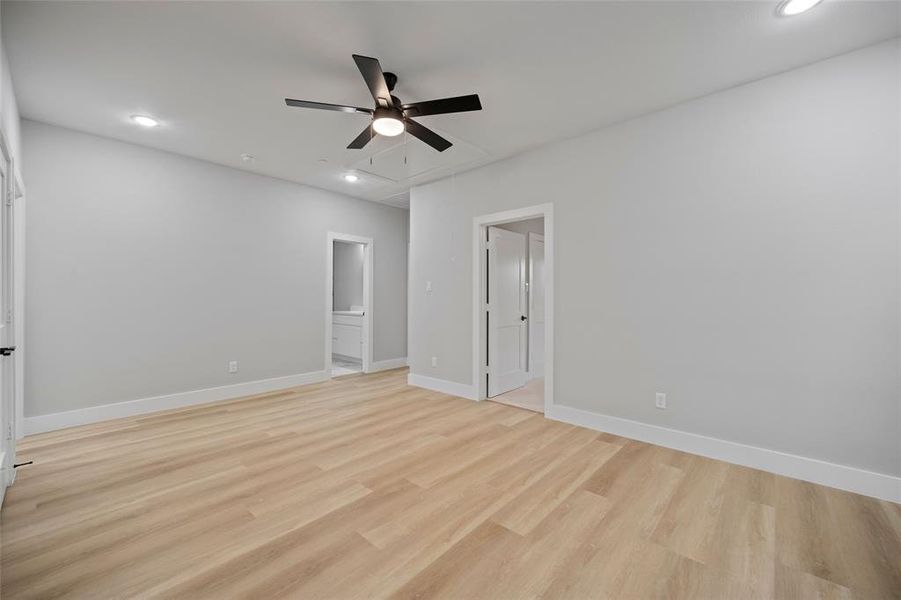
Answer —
463 390
868 483
93 414
384 365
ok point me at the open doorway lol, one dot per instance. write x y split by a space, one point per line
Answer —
512 325
348 318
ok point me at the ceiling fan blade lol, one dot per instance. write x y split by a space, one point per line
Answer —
443 106
375 79
325 106
362 139
427 135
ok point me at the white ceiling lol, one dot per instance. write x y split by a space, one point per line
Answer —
216 73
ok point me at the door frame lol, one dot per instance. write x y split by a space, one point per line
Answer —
531 267
368 244
480 225
10 197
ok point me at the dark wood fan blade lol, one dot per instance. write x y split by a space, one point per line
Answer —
443 106
325 106
427 135
371 70
362 139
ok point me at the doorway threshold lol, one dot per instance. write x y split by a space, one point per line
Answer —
530 396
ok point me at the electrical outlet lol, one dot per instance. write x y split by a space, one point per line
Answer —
434 361
660 400
428 287
232 366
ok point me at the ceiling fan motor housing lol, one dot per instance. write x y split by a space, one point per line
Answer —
387 112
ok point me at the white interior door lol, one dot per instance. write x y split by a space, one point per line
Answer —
506 311
7 364
536 305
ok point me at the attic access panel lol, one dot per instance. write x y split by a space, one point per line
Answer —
408 158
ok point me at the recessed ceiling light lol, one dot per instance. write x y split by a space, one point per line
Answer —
795 7
248 158
144 120
351 178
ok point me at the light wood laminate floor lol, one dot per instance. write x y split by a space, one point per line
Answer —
365 487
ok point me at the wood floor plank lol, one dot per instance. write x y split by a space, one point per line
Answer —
365 487
529 508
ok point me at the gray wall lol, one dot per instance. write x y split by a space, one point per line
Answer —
739 252
347 275
149 271
9 110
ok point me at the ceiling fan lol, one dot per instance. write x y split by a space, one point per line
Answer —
390 117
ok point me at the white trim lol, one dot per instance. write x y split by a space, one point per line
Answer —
9 398
17 180
19 308
478 315
385 365
877 485
538 237
463 390
367 296
105 412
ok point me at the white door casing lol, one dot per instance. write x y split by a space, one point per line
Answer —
480 225
7 335
506 311
536 305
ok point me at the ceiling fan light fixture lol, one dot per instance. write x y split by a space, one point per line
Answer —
387 121
790 8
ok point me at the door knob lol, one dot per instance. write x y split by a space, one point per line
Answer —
7 351
523 317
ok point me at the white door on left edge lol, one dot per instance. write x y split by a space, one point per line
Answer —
7 364
506 311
